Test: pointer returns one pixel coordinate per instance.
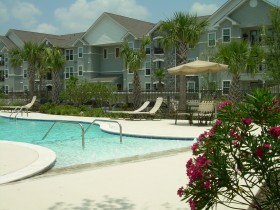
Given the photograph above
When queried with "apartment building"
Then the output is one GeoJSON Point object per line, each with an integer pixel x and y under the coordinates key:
{"type": "Point", "coordinates": [94, 55]}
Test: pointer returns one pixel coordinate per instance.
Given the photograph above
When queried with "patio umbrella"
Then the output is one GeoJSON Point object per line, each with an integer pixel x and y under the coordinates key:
{"type": "Point", "coordinates": [197, 67]}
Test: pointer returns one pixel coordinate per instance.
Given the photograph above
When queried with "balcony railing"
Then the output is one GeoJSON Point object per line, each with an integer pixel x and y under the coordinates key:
{"type": "Point", "coordinates": [158, 50]}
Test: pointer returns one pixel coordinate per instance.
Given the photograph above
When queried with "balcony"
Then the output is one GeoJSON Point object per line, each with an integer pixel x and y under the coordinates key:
{"type": "Point", "coordinates": [158, 50]}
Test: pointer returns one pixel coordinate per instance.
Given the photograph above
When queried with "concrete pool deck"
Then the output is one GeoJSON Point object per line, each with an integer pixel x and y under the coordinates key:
{"type": "Point", "coordinates": [149, 184]}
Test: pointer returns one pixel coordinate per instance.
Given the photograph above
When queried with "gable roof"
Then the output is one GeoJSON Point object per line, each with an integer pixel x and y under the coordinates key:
{"type": "Point", "coordinates": [137, 28]}
{"type": "Point", "coordinates": [8, 43]}
{"type": "Point", "coordinates": [56, 40]}
{"type": "Point", "coordinates": [226, 9]}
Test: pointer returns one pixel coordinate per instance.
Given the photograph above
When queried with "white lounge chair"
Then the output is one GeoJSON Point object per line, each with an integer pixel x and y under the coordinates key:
{"type": "Point", "coordinates": [151, 113]}
{"type": "Point", "coordinates": [143, 107]}
{"type": "Point", "coordinates": [17, 109]}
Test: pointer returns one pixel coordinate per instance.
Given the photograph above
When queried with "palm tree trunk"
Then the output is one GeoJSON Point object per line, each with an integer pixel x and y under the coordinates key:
{"type": "Point", "coordinates": [235, 91]}
{"type": "Point", "coordinates": [136, 90]}
{"type": "Point", "coordinates": [182, 93]}
{"type": "Point", "coordinates": [31, 80]}
{"type": "Point", "coordinates": [182, 52]}
{"type": "Point", "coordinates": [56, 87]}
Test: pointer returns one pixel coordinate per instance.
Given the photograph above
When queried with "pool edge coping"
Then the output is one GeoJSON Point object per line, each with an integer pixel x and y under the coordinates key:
{"type": "Point", "coordinates": [46, 159]}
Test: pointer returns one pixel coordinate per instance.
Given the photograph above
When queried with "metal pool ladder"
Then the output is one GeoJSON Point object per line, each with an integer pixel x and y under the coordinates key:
{"type": "Point", "coordinates": [82, 128]}
{"type": "Point", "coordinates": [113, 121]}
{"type": "Point", "coordinates": [69, 122]}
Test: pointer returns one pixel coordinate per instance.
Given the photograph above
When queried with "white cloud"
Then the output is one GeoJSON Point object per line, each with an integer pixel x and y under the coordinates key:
{"type": "Point", "coordinates": [25, 13]}
{"type": "Point", "coordinates": [203, 9]}
{"type": "Point", "coordinates": [82, 13]}
{"type": "Point", "coordinates": [3, 13]}
{"type": "Point", "coordinates": [46, 28]}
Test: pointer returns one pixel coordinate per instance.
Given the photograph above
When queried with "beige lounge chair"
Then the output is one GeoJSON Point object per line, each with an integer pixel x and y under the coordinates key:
{"type": "Point", "coordinates": [149, 114]}
{"type": "Point", "coordinates": [140, 109]}
{"type": "Point", "coordinates": [192, 106]}
{"type": "Point", "coordinates": [205, 111]}
{"type": "Point", "coordinates": [17, 109]}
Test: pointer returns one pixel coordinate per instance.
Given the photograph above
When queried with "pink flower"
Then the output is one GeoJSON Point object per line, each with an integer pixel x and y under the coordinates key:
{"type": "Point", "coordinates": [194, 147]}
{"type": "Point", "coordinates": [235, 143]}
{"type": "Point", "coordinates": [194, 174]}
{"type": "Point", "coordinates": [218, 122]}
{"type": "Point", "coordinates": [207, 184]}
{"type": "Point", "coordinates": [267, 146]}
{"type": "Point", "coordinates": [247, 121]}
{"type": "Point", "coordinates": [275, 100]}
{"type": "Point", "coordinates": [259, 153]}
{"type": "Point", "coordinates": [189, 163]}
{"type": "Point", "coordinates": [192, 204]}
{"type": "Point", "coordinates": [180, 191]}
{"type": "Point", "coordinates": [224, 104]}
{"type": "Point", "coordinates": [202, 161]}
{"type": "Point", "coordinates": [275, 131]}
{"type": "Point", "coordinates": [234, 134]}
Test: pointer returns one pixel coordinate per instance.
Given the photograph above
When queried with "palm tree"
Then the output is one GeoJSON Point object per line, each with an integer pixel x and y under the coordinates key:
{"type": "Point", "coordinates": [241, 58]}
{"type": "Point", "coordinates": [133, 61]}
{"type": "Point", "coordinates": [181, 31]}
{"type": "Point", "coordinates": [32, 53]}
{"type": "Point", "coordinates": [159, 74]}
{"type": "Point", "coordinates": [55, 61]}
{"type": "Point", "coordinates": [272, 41]}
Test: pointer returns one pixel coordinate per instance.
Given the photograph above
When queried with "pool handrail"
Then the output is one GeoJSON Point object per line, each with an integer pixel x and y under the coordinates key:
{"type": "Point", "coordinates": [70, 122]}
{"type": "Point", "coordinates": [113, 121]}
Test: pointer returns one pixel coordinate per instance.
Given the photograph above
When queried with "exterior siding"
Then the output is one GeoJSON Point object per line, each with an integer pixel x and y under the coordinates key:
{"type": "Point", "coordinates": [105, 31]}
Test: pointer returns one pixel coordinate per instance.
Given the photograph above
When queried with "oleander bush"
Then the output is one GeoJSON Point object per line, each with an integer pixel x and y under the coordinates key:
{"type": "Point", "coordinates": [238, 157]}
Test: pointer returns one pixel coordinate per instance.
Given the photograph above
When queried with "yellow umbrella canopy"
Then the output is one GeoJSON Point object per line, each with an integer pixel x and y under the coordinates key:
{"type": "Point", "coordinates": [197, 67]}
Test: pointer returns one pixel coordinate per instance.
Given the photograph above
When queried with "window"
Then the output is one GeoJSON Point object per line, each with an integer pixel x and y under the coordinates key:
{"type": "Point", "coordinates": [255, 36]}
{"type": "Point", "coordinates": [159, 64]}
{"type": "Point", "coordinates": [2, 76]}
{"type": "Point", "coordinates": [6, 73]}
{"type": "Point", "coordinates": [130, 87]}
{"type": "Point", "coordinates": [69, 71]}
{"type": "Point", "coordinates": [25, 88]}
{"type": "Point", "coordinates": [226, 34]}
{"type": "Point", "coordinates": [211, 39]}
{"type": "Point", "coordinates": [190, 86]}
{"type": "Point", "coordinates": [24, 73]}
{"type": "Point", "coordinates": [80, 52]}
{"type": "Point", "coordinates": [6, 89]}
{"type": "Point", "coordinates": [117, 52]}
{"type": "Point", "coordinates": [105, 54]}
{"type": "Point", "coordinates": [148, 69]}
{"type": "Point", "coordinates": [1, 60]}
{"type": "Point", "coordinates": [69, 55]}
{"type": "Point", "coordinates": [226, 86]}
{"type": "Point", "coordinates": [131, 45]}
{"type": "Point", "coordinates": [148, 86]}
{"type": "Point", "coordinates": [6, 58]}
{"type": "Point", "coordinates": [80, 71]}
{"type": "Point", "coordinates": [49, 75]}
{"type": "Point", "coordinates": [148, 50]}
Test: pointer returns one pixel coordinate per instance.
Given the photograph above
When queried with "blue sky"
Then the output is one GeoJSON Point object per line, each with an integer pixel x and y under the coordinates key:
{"type": "Point", "coordinates": [72, 16]}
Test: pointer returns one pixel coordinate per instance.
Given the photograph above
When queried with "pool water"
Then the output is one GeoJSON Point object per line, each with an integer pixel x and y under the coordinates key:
{"type": "Point", "coordinates": [66, 141]}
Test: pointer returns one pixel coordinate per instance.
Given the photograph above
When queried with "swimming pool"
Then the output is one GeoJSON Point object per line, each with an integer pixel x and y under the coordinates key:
{"type": "Point", "coordinates": [66, 141]}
